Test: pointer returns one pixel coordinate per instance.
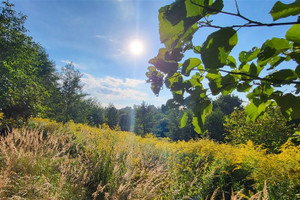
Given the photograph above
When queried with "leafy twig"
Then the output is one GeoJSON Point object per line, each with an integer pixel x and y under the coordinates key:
{"type": "Point", "coordinates": [250, 23]}
{"type": "Point", "coordinates": [259, 78]}
{"type": "Point", "coordinates": [256, 77]}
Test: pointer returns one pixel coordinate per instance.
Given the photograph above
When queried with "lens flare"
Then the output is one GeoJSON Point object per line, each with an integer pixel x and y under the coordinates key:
{"type": "Point", "coordinates": [136, 47]}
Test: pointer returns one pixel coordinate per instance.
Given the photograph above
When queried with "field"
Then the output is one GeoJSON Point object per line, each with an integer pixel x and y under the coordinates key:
{"type": "Point", "coordinates": [49, 160]}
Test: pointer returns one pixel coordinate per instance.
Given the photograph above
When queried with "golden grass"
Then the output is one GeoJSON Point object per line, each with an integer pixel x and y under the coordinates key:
{"type": "Point", "coordinates": [75, 161]}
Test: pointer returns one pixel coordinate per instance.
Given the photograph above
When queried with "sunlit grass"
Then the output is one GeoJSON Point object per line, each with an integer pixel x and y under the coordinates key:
{"type": "Point", "coordinates": [75, 161]}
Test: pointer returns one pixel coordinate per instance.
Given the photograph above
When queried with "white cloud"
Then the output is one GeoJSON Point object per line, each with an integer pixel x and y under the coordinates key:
{"type": "Point", "coordinates": [111, 82]}
{"type": "Point", "coordinates": [76, 65]}
{"type": "Point", "coordinates": [115, 90]}
{"type": "Point", "coordinates": [133, 82]}
{"type": "Point", "coordinates": [106, 38]}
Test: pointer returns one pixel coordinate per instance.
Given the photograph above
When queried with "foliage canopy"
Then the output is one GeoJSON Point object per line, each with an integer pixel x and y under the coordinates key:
{"type": "Point", "coordinates": [271, 130]}
{"type": "Point", "coordinates": [256, 72]}
{"type": "Point", "coordinates": [26, 73]}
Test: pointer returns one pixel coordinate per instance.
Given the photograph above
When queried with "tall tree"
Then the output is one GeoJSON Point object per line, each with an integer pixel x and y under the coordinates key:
{"type": "Point", "coordinates": [227, 103]}
{"type": "Point", "coordinates": [261, 71]}
{"type": "Point", "coordinates": [144, 119]}
{"type": "Point", "coordinates": [112, 116]}
{"type": "Point", "coordinates": [71, 90]}
{"type": "Point", "coordinates": [125, 118]}
{"type": "Point", "coordinates": [175, 131]}
{"type": "Point", "coordinates": [214, 125]}
{"type": "Point", "coordinates": [25, 70]}
{"type": "Point", "coordinates": [96, 116]}
{"type": "Point", "coordinates": [222, 106]}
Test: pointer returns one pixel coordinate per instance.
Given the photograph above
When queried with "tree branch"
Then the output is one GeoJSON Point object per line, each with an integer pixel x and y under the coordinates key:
{"type": "Point", "coordinates": [261, 79]}
{"type": "Point", "coordinates": [252, 77]}
{"type": "Point", "coordinates": [237, 7]}
{"type": "Point", "coordinates": [247, 25]}
{"type": "Point", "coordinates": [250, 23]}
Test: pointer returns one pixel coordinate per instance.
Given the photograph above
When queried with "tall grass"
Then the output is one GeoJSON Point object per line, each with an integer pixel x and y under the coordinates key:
{"type": "Point", "coordinates": [49, 160]}
{"type": "Point", "coordinates": [38, 166]}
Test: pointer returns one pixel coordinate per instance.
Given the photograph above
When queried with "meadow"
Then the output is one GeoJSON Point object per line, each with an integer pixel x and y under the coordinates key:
{"type": "Point", "coordinates": [51, 160]}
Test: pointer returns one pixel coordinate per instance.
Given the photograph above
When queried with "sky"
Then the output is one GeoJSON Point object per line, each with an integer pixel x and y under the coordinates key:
{"type": "Point", "coordinates": [97, 35]}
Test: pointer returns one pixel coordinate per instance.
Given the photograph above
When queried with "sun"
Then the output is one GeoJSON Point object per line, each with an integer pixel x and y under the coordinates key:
{"type": "Point", "coordinates": [136, 47]}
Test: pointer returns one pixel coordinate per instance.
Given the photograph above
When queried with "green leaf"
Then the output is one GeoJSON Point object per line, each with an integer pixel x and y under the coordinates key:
{"type": "Point", "coordinates": [228, 84]}
{"type": "Point", "coordinates": [167, 67]}
{"type": "Point", "coordinates": [293, 34]}
{"type": "Point", "coordinates": [195, 80]}
{"type": "Point", "coordinates": [217, 6]}
{"type": "Point", "coordinates": [171, 23]}
{"type": "Point", "coordinates": [297, 71]}
{"type": "Point", "coordinates": [201, 111]}
{"type": "Point", "coordinates": [151, 69]}
{"type": "Point", "coordinates": [175, 82]}
{"type": "Point", "coordinates": [196, 125]}
{"type": "Point", "coordinates": [231, 62]}
{"type": "Point", "coordinates": [190, 64]}
{"type": "Point", "coordinates": [178, 97]}
{"type": "Point", "coordinates": [203, 7]}
{"type": "Point", "coordinates": [193, 10]}
{"type": "Point", "coordinates": [244, 87]}
{"type": "Point", "coordinates": [261, 94]}
{"type": "Point", "coordinates": [272, 48]}
{"type": "Point", "coordinates": [275, 61]}
{"type": "Point", "coordinates": [254, 111]}
{"type": "Point", "coordinates": [174, 55]}
{"type": "Point", "coordinates": [284, 75]}
{"type": "Point", "coordinates": [281, 10]}
{"type": "Point", "coordinates": [289, 105]}
{"type": "Point", "coordinates": [197, 49]}
{"type": "Point", "coordinates": [215, 84]}
{"type": "Point", "coordinates": [295, 55]}
{"type": "Point", "coordinates": [213, 76]}
{"type": "Point", "coordinates": [177, 23]}
{"type": "Point", "coordinates": [164, 66]}
{"type": "Point", "coordinates": [184, 120]}
{"type": "Point", "coordinates": [246, 56]}
{"type": "Point", "coordinates": [216, 48]}
{"type": "Point", "coordinates": [251, 69]}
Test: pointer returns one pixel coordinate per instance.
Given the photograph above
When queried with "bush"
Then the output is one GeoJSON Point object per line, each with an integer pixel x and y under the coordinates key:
{"type": "Point", "coordinates": [271, 130]}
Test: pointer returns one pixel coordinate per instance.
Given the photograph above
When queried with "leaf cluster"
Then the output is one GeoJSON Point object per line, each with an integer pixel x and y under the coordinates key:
{"type": "Point", "coordinates": [271, 130]}
{"type": "Point", "coordinates": [256, 72]}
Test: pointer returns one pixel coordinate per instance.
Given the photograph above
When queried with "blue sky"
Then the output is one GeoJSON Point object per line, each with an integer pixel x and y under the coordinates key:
{"type": "Point", "coordinates": [96, 34]}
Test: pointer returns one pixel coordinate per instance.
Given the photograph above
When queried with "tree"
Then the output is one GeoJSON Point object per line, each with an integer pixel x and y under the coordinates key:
{"type": "Point", "coordinates": [175, 130]}
{"type": "Point", "coordinates": [222, 106]}
{"type": "Point", "coordinates": [145, 120]}
{"type": "Point", "coordinates": [271, 130]}
{"type": "Point", "coordinates": [112, 116]}
{"type": "Point", "coordinates": [96, 116]}
{"type": "Point", "coordinates": [71, 90]}
{"type": "Point", "coordinates": [179, 21]}
{"type": "Point", "coordinates": [227, 103]}
{"type": "Point", "coordinates": [125, 118]}
{"type": "Point", "coordinates": [214, 125]}
{"type": "Point", "coordinates": [25, 70]}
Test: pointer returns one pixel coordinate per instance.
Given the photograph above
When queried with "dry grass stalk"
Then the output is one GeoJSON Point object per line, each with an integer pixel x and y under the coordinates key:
{"type": "Point", "coordinates": [100, 189]}
{"type": "Point", "coordinates": [28, 159]}
{"type": "Point", "coordinates": [262, 195]}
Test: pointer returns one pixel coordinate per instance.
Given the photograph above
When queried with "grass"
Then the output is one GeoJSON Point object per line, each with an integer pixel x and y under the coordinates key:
{"type": "Point", "coordinates": [48, 160]}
